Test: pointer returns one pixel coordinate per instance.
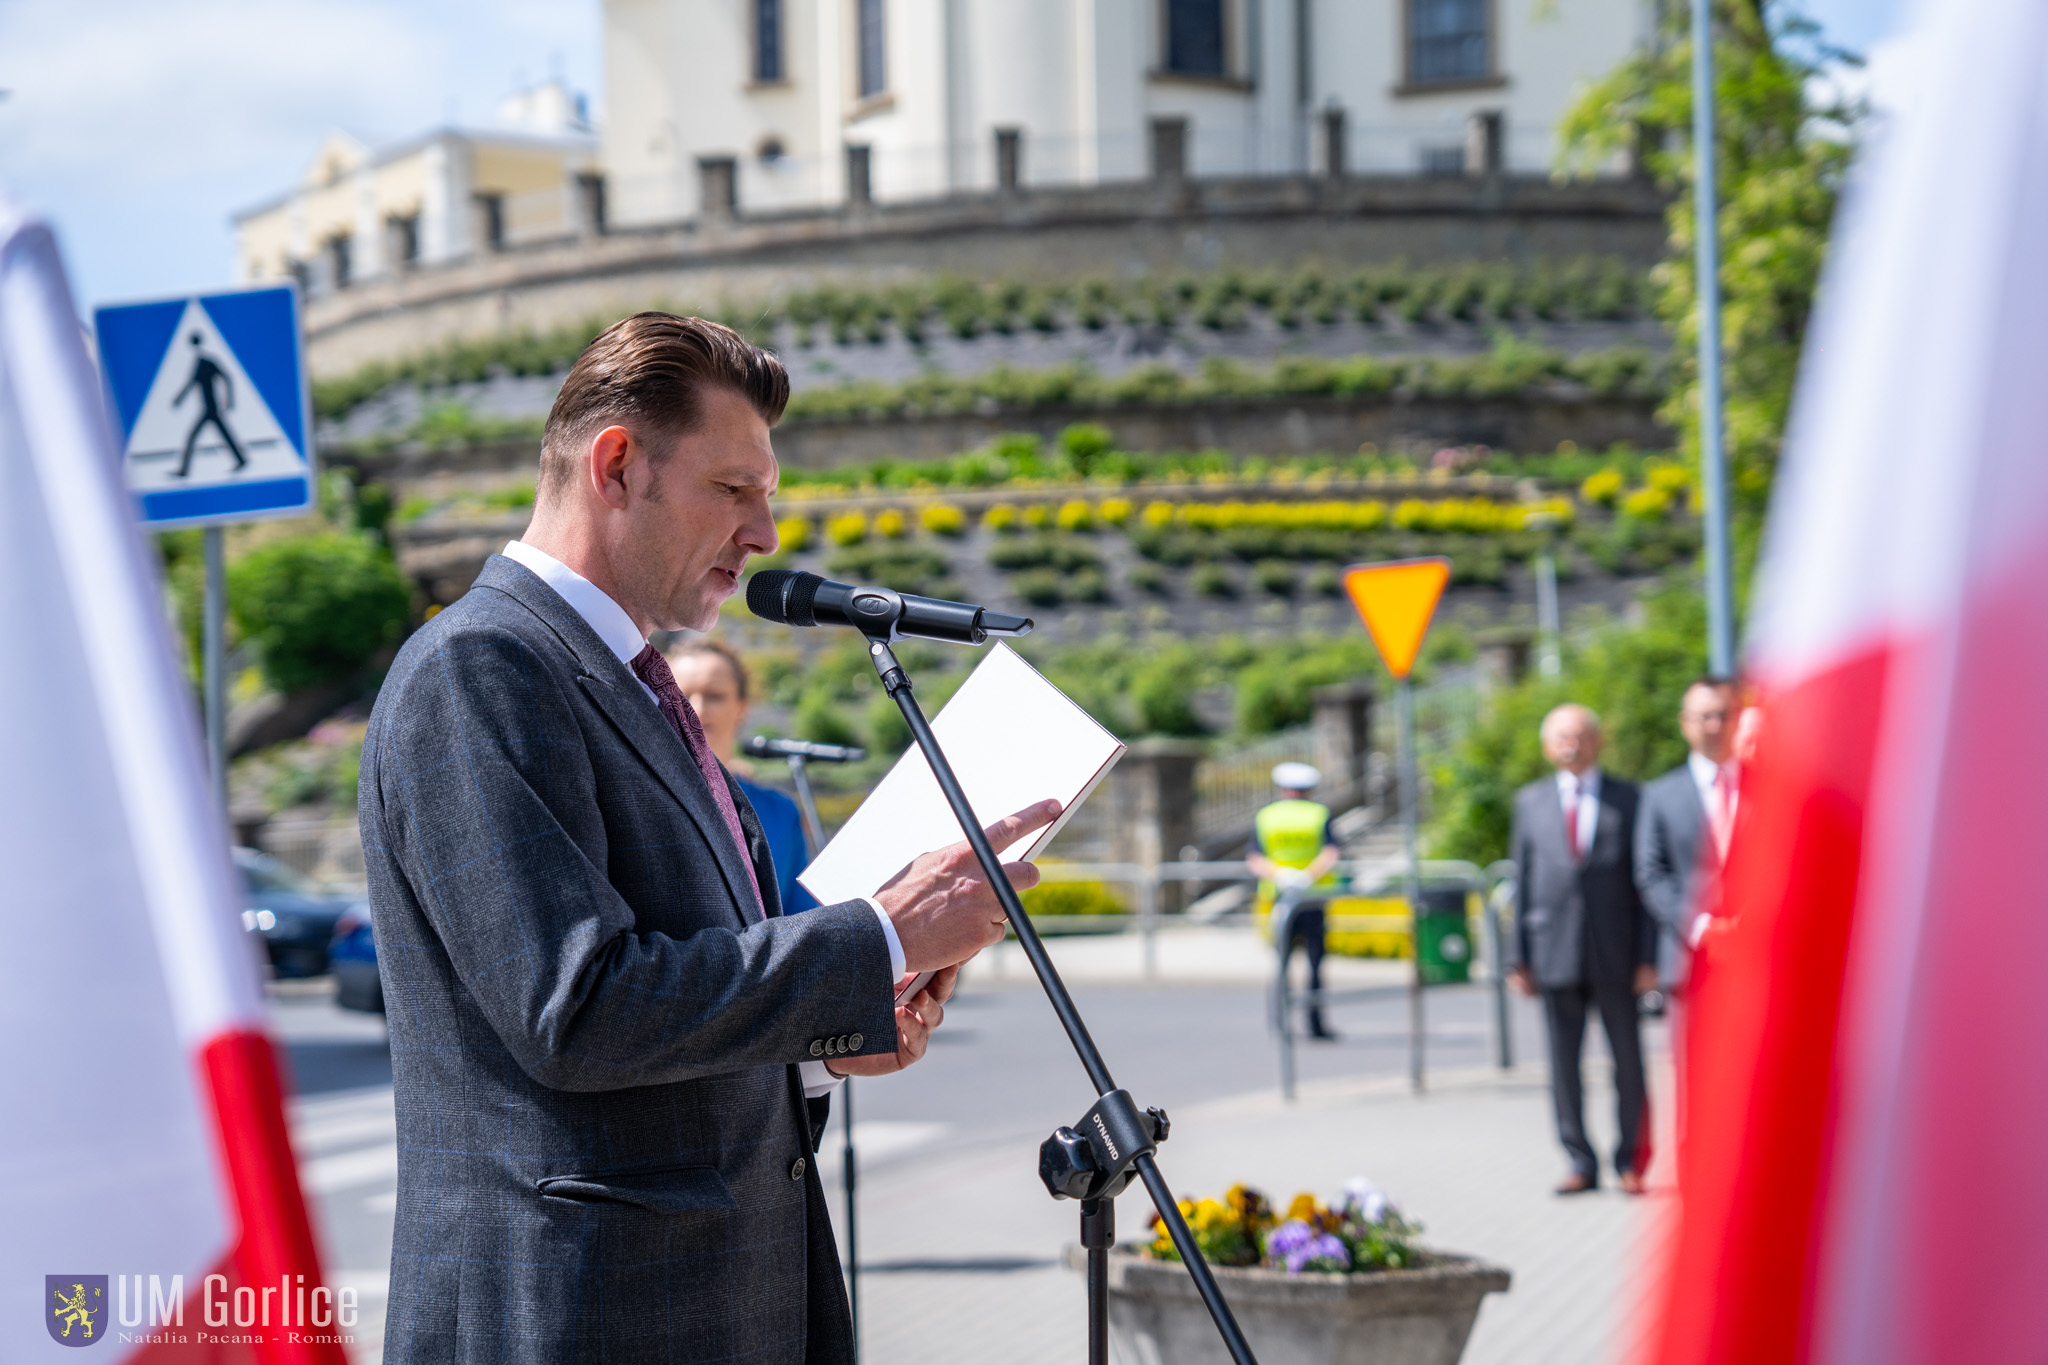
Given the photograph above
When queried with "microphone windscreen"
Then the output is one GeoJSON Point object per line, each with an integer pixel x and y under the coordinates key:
{"type": "Point", "coordinates": [784, 596]}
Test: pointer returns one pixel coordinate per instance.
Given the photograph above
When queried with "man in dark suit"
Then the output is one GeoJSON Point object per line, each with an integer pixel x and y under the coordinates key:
{"type": "Point", "coordinates": [1581, 939]}
{"type": "Point", "coordinates": [611, 1051]}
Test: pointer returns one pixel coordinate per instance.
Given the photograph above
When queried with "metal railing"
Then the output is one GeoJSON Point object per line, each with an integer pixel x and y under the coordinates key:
{"type": "Point", "coordinates": [1495, 885]}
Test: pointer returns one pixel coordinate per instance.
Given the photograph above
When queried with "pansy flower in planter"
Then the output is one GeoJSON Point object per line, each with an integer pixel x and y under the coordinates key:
{"type": "Point", "coordinates": [1363, 1231]}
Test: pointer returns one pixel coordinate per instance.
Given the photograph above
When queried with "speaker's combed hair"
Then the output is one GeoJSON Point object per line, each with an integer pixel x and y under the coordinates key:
{"type": "Point", "coordinates": [647, 373]}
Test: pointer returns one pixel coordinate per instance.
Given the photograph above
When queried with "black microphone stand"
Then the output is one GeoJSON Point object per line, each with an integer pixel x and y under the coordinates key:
{"type": "Point", "coordinates": [1095, 1159]}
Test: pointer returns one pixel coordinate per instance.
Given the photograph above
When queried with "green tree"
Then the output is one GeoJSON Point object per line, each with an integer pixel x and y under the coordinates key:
{"type": "Point", "coordinates": [1633, 676]}
{"type": "Point", "coordinates": [1782, 146]}
{"type": "Point", "coordinates": [317, 608]}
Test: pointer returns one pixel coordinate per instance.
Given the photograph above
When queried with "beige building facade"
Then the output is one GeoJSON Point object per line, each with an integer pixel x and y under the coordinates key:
{"type": "Point", "coordinates": [362, 212]}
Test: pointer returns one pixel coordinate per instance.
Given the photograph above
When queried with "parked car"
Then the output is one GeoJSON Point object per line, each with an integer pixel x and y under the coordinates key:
{"type": "Point", "coordinates": [292, 913]}
{"type": "Point", "coordinates": [353, 957]}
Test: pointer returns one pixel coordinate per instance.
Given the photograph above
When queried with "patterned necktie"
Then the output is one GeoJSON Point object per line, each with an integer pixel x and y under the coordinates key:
{"type": "Point", "coordinates": [652, 669]}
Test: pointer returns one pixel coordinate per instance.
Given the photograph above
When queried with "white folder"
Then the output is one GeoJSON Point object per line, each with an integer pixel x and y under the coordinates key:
{"type": "Point", "coordinates": [1013, 740]}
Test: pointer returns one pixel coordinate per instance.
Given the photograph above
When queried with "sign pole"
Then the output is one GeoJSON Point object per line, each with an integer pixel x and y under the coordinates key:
{"type": "Point", "coordinates": [1396, 600]}
{"type": "Point", "coordinates": [1404, 705]}
{"type": "Point", "coordinates": [1707, 270]}
{"type": "Point", "coordinates": [214, 649]}
{"type": "Point", "coordinates": [1549, 662]}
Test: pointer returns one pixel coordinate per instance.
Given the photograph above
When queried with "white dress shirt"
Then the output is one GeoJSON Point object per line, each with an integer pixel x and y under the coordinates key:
{"type": "Point", "coordinates": [1584, 789]}
{"type": "Point", "coordinates": [624, 639]}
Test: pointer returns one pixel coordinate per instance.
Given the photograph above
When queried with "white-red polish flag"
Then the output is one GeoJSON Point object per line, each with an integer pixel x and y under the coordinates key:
{"type": "Point", "coordinates": [1863, 1180]}
{"type": "Point", "coordinates": [143, 1130]}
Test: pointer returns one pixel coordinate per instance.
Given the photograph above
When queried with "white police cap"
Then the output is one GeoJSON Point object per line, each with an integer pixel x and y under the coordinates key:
{"type": "Point", "coordinates": [1296, 777]}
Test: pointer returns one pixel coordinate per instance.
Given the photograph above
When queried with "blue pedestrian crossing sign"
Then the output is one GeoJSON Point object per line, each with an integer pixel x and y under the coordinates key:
{"type": "Point", "coordinates": [210, 395]}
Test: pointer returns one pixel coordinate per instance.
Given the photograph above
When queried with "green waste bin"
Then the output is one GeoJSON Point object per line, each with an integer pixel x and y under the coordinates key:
{"type": "Point", "coordinates": [1443, 939]}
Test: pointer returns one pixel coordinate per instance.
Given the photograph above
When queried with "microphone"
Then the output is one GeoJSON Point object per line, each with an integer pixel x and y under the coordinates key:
{"type": "Point", "coordinates": [793, 598]}
{"type": "Point", "coordinates": [760, 746]}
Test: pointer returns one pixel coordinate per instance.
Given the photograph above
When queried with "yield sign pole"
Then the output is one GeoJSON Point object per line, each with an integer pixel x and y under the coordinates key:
{"type": "Point", "coordinates": [1396, 601]}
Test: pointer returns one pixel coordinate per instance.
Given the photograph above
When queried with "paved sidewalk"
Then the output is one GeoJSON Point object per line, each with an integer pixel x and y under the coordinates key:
{"type": "Point", "coordinates": [962, 1250]}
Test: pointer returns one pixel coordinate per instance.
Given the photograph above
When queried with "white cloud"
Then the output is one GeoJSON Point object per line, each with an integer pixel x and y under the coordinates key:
{"type": "Point", "coordinates": [140, 125]}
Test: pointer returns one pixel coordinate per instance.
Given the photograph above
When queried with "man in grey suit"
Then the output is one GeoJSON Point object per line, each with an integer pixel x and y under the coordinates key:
{"type": "Point", "coordinates": [1581, 939]}
{"type": "Point", "coordinates": [1682, 834]}
{"type": "Point", "coordinates": [611, 1052]}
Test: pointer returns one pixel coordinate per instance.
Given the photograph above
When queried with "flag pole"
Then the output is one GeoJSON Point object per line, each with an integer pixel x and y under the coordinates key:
{"type": "Point", "coordinates": [1707, 271]}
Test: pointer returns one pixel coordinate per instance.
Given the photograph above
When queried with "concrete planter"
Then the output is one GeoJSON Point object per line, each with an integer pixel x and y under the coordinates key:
{"type": "Point", "coordinates": [1393, 1317]}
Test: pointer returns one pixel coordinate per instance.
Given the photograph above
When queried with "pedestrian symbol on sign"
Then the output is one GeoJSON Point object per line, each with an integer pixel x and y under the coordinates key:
{"type": "Point", "coordinates": [210, 397]}
{"type": "Point", "coordinates": [206, 376]}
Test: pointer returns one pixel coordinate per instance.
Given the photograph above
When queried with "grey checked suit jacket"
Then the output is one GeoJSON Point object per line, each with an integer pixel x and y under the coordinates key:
{"type": "Point", "coordinates": [604, 1153]}
{"type": "Point", "coordinates": [1578, 922]}
{"type": "Point", "coordinates": [1670, 871]}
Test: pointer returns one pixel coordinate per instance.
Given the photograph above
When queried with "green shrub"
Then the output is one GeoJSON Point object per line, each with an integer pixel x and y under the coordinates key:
{"type": "Point", "coordinates": [1071, 898]}
{"type": "Point", "coordinates": [882, 720]}
{"type": "Point", "coordinates": [1163, 695]}
{"type": "Point", "coordinates": [317, 608]}
{"type": "Point", "coordinates": [1213, 580]}
{"type": "Point", "coordinates": [1085, 443]}
{"type": "Point", "coordinates": [1275, 576]}
{"type": "Point", "coordinates": [1087, 585]}
{"type": "Point", "coordinates": [1040, 587]}
{"type": "Point", "coordinates": [821, 718]}
{"type": "Point", "coordinates": [1148, 578]}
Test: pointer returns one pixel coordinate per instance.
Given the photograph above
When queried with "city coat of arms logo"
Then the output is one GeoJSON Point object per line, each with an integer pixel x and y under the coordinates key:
{"type": "Point", "coordinates": [75, 1308]}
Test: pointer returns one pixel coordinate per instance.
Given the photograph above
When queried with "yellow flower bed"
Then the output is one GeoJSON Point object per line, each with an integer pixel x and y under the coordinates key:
{"type": "Point", "coordinates": [942, 519]}
{"type": "Point", "coordinates": [1381, 940]}
{"type": "Point", "coordinates": [1481, 516]}
{"type": "Point", "coordinates": [794, 533]}
{"type": "Point", "coordinates": [1114, 511]}
{"type": "Point", "coordinates": [1647, 504]}
{"type": "Point", "coordinates": [1604, 487]}
{"type": "Point", "coordinates": [848, 528]}
{"type": "Point", "coordinates": [891, 525]}
{"type": "Point", "coordinates": [1075, 516]}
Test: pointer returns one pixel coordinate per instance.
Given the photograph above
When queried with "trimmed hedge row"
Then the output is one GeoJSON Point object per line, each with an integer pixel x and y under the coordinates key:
{"type": "Point", "coordinates": [1588, 288]}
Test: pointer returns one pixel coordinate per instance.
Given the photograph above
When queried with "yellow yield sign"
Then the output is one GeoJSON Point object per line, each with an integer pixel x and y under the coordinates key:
{"type": "Point", "coordinates": [1396, 601]}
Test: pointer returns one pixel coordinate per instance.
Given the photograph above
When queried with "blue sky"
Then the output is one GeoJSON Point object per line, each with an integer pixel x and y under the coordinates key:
{"type": "Point", "coordinates": [138, 126]}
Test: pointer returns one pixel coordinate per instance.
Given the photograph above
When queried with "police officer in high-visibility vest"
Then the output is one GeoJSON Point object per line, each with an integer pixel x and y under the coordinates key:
{"type": "Point", "coordinates": [1294, 853]}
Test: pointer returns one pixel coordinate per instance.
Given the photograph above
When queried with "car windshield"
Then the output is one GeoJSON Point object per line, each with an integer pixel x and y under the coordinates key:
{"type": "Point", "coordinates": [262, 874]}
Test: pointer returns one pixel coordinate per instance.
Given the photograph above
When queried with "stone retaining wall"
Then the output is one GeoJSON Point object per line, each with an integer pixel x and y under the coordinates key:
{"type": "Point", "coordinates": [1121, 230]}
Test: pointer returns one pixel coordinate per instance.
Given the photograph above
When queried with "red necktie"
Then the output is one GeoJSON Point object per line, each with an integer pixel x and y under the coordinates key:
{"type": "Point", "coordinates": [652, 669]}
{"type": "Point", "coordinates": [1721, 813]}
{"type": "Point", "coordinates": [1571, 816]}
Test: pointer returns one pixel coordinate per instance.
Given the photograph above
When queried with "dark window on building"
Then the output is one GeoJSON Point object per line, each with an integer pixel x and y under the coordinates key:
{"type": "Point", "coordinates": [402, 239]}
{"type": "Point", "coordinates": [874, 73]}
{"type": "Point", "coordinates": [1448, 40]}
{"type": "Point", "coordinates": [339, 260]}
{"type": "Point", "coordinates": [1194, 37]}
{"type": "Point", "coordinates": [490, 209]}
{"type": "Point", "coordinates": [767, 40]}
